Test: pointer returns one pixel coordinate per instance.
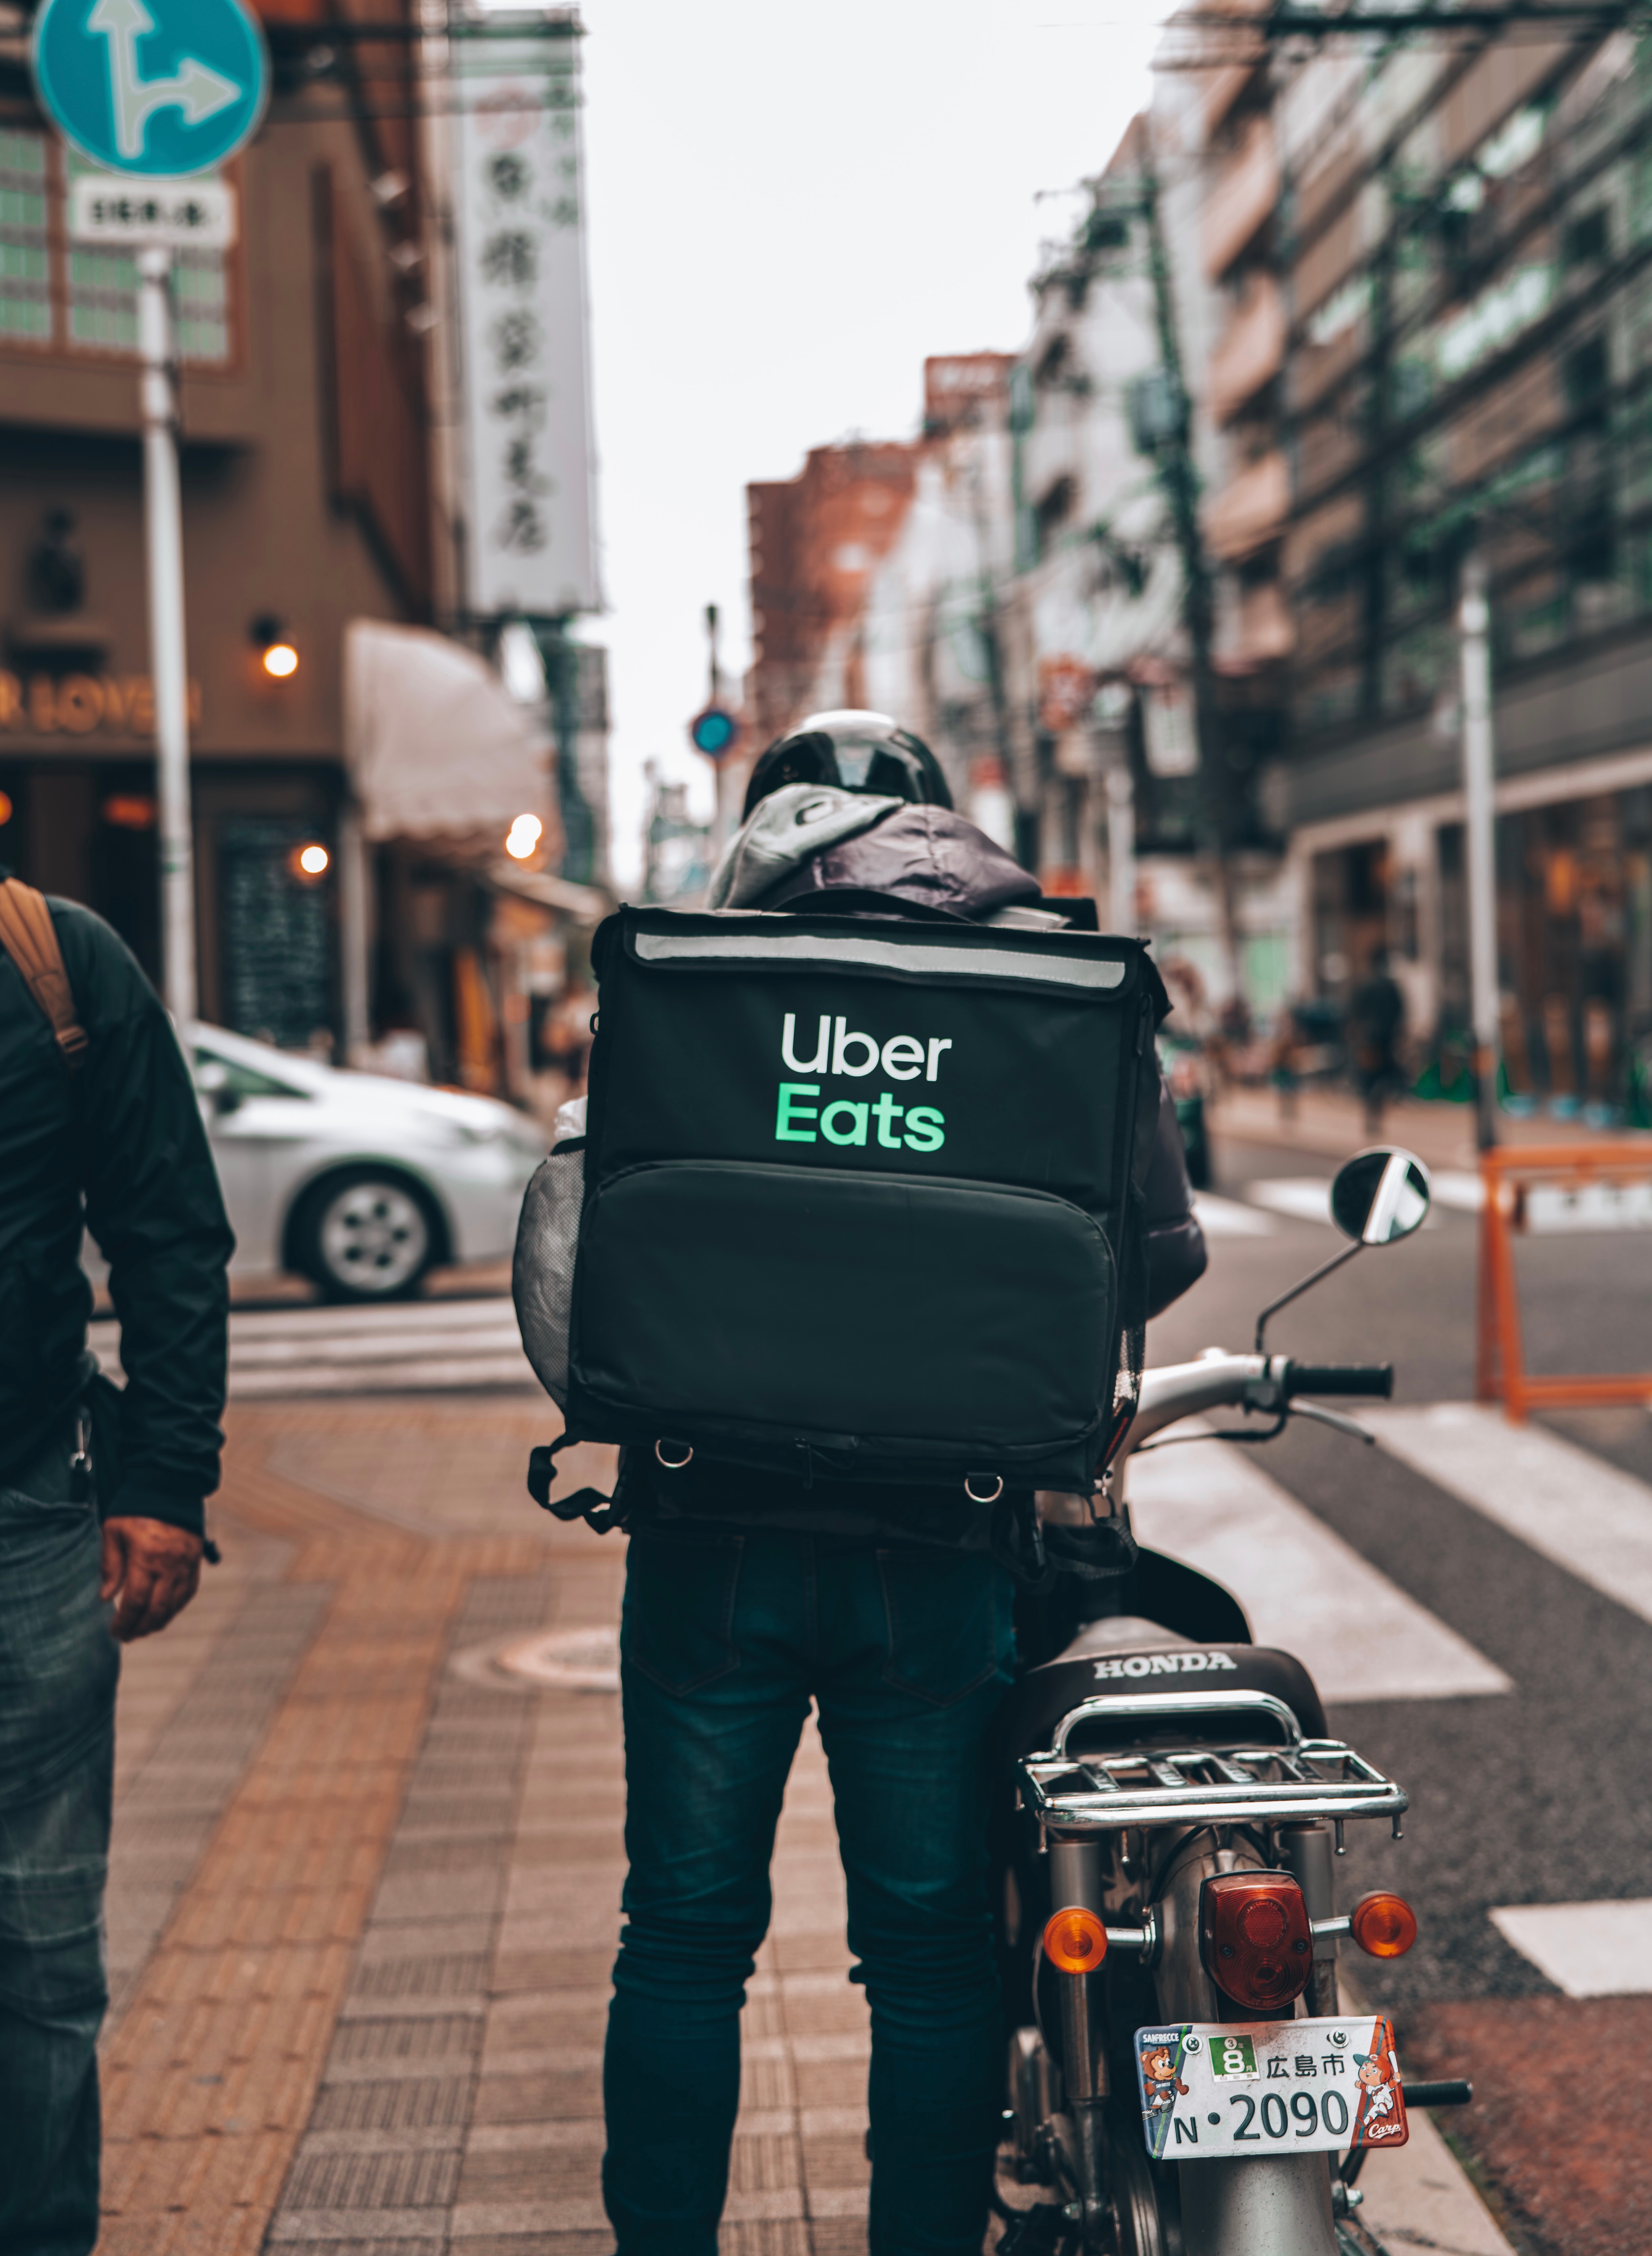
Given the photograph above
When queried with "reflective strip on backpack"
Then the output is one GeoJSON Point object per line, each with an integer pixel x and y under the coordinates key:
{"type": "Point", "coordinates": [813, 948]}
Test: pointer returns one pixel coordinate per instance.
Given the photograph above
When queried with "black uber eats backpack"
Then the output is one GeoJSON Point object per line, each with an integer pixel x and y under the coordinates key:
{"type": "Point", "coordinates": [861, 1199]}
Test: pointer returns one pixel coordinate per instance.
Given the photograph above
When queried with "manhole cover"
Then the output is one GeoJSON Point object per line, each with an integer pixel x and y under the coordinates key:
{"type": "Point", "coordinates": [576, 1660]}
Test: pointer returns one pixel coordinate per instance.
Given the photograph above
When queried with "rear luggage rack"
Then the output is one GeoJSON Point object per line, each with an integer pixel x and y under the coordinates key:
{"type": "Point", "coordinates": [1214, 1784]}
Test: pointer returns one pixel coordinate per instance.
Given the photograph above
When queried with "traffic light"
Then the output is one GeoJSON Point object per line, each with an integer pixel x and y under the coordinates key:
{"type": "Point", "coordinates": [714, 732]}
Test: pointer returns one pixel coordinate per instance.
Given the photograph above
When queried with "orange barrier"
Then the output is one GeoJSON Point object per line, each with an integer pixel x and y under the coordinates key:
{"type": "Point", "coordinates": [1508, 1174]}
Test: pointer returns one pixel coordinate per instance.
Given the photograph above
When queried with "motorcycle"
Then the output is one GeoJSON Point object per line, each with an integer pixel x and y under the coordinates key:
{"type": "Point", "coordinates": [1187, 2073]}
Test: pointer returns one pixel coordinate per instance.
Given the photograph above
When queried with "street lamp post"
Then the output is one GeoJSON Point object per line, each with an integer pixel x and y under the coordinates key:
{"type": "Point", "coordinates": [1474, 619]}
{"type": "Point", "coordinates": [164, 540]}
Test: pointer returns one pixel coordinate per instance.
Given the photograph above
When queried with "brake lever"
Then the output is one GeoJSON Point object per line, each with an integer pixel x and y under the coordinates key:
{"type": "Point", "coordinates": [1221, 1434]}
{"type": "Point", "coordinates": [1300, 1409]}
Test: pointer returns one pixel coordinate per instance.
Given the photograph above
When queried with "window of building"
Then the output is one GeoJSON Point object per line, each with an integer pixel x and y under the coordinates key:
{"type": "Point", "coordinates": [1587, 239]}
{"type": "Point", "coordinates": [82, 298]}
{"type": "Point", "coordinates": [26, 268]}
{"type": "Point", "coordinates": [1052, 510]}
{"type": "Point", "coordinates": [1588, 373]}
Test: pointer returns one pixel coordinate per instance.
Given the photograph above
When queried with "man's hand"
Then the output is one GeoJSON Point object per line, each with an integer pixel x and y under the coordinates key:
{"type": "Point", "coordinates": [151, 1570]}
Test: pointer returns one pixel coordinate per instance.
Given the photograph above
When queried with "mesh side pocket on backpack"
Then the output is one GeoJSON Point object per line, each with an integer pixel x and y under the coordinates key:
{"type": "Point", "coordinates": [542, 1271]}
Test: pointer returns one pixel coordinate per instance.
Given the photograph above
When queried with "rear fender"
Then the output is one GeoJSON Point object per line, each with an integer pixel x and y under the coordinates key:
{"type": "Point", "coordinates": [1281, 2202]}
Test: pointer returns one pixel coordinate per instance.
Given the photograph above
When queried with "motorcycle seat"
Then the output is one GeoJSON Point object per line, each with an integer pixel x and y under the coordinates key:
{"type": "Point", "coordinates": [1128, 1658]}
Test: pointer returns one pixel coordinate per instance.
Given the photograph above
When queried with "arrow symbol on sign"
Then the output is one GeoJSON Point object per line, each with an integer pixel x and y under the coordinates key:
{"type": "Point", "coordinates": [198, 90]}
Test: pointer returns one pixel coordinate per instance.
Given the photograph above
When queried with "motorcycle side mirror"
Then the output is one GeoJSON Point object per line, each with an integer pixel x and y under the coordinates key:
{"type": "Point", "coordinates": [1380, 1196]}
{"type": "Point", "coordinates": [1376, 1197]}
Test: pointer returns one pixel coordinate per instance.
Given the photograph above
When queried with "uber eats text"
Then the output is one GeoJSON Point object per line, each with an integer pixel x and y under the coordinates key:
{"type": "Point", "coordinates": [838, 1049]}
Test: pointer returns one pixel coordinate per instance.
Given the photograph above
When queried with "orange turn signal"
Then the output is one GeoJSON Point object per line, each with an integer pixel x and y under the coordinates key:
{"type": "Point", "coordinates": [1074, 1941]}
{"type": "Point", "coordinates": [1383, 1925]}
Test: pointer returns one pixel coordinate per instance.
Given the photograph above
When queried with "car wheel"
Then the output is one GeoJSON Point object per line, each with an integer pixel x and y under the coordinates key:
{"type": "Point", "coordinates": [366, 1235]}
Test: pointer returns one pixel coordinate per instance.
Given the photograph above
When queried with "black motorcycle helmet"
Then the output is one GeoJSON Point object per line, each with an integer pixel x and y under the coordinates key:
{"type": "Point", "coordinates": [864, 752]}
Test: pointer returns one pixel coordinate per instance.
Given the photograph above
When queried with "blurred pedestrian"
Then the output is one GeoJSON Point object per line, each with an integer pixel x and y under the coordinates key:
{"type": "Point", "coordinates": [1376, 1022]}
{"type": "Point", "coordinates": [102, 1491]}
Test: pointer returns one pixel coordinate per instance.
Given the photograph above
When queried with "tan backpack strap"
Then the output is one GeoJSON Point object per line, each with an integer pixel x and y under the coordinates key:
{"type": "Point", "coordinates": [29, 938]}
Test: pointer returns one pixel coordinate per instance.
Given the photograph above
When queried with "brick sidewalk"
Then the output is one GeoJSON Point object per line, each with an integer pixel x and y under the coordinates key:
{"type": "Point", "coordinates": [366, 1877]}
{"type": "Point", "coordinates": [366, 1880]}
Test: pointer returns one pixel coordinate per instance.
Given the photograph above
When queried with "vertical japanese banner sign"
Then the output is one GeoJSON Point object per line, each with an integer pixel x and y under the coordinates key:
{"type": "Point", "coordinates": [520, 276]}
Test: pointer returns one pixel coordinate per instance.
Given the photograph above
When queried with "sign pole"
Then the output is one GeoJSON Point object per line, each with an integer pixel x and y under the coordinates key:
{"type": "Point", "coordinates": [717, 732]}
{"type": "Point", "coordinates": [162, 129]}
{"type": "Point", "coordinates": [163, 541]}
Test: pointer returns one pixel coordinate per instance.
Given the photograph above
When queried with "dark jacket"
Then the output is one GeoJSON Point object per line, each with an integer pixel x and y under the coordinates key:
{"type": "Point", "coordinates": [121, 1151]}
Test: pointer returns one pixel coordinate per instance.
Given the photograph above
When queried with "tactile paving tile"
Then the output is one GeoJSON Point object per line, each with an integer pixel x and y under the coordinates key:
{"type": "Point", "coordinates": [170, 1804]}
{"type": "Point", "coordinates": [401, 2060]}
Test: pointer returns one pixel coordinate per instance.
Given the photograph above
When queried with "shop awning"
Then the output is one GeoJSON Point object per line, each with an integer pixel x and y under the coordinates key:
{"type": "Point", "coordinates": [584, 903]}
{"type": "Point", "coordinates": [435, 746]}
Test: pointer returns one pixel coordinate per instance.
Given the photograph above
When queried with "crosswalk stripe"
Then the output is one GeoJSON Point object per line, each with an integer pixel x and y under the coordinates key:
{"type": "Point", "coordinates": [407, 1377]}
{"type": "Point", "coordinates": [1222, 1217]}
{"type": "Point", "coordinates": [1587, 1950]}
{"type": "Point", "coordinates": [1451, 1187]}
{"type": "Point", "coordinates": [1361, 1637]}
{"type": "Point", "coordinates": [369, 1345]}
{"type": "Point", "coordinates": [1571, 1506]}
{"type": "Point", "coordinates": [1305, 1198]}
{"type": "Point", "coordinates": [419, 1347]}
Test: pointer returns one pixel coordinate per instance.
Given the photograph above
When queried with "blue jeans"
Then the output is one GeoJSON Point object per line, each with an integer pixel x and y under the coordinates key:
{"type": "Point", "coordinates": [58, 1667]}
{"type": "Point", "coordinates": [906, 1652]}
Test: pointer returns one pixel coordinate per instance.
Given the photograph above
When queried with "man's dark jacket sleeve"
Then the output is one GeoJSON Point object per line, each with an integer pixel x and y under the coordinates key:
{"type": "Point", "coordinates": [128, 1133]}
{"type": "Point", "coordinates": [154, 1206]}
{"type": "Point", "coordinates": [1177, 1256]}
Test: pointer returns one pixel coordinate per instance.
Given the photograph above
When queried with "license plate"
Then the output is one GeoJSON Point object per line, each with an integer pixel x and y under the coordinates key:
{"type": "Point", "coordinates": [1233, 2089]}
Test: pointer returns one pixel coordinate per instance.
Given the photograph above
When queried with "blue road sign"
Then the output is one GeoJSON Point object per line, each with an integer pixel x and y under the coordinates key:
{"type": "Point", "coordinates": [714, 732]}
{"type": "Point", "coordinates": [160, 89]}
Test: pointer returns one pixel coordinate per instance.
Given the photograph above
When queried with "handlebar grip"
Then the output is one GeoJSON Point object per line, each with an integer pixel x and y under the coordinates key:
{"type": "Point", "coordinates": [1340, 1379]}
{"type": "Point", "coordinates": [1450, 2094]}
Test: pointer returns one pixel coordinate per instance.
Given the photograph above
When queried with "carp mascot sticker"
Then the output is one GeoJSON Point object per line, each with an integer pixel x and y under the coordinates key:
{"type": "Point", "coordinates": [1381, 2119]}
{"type": "Point", "coordinates": [1160, 2056]}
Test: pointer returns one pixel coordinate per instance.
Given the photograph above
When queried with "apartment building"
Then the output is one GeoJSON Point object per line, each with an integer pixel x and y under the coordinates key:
{"type": "Point", "coordinates": [1464, 249]}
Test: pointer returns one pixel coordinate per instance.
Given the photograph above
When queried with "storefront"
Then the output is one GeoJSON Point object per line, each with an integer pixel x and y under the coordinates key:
{"type": "Point", "coordinates": [266, 912]}
{"type": "Point", "coordinates": [1574, 925]}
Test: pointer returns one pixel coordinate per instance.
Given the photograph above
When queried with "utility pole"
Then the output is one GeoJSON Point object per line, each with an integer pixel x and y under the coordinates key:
{"type": "Point", "coordinates": [1121, 850]}
{"type": "Point", "coordinates": [164, 538]}
{"type": "Point", "coordinates": [1474, 619]}
{"type": "Point", "coordinates": [723, 824]}
{"type": "Point", "coordinates": [1179, 478]}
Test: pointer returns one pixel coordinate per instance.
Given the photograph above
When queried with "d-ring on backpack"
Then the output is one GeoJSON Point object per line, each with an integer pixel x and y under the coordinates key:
{"type": "Point", "coordinates": [859, 1198]}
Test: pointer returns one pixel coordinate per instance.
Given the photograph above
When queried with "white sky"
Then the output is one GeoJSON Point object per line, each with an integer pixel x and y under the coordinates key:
{"type": "Point", "coordinates": [790, 204]}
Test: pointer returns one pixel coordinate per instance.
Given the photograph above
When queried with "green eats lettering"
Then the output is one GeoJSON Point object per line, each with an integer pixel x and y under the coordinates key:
{"type": "Point", "coordinates": [878, 1121]}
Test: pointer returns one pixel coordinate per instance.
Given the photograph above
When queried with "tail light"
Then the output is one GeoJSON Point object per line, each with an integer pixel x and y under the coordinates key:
{"type": "Point", "coordinates": [1254, 1939]}
{"type": "Point", "coordinates": [1383, 1925]}
{"type": "Point", "coordinates": [1075, 1941]}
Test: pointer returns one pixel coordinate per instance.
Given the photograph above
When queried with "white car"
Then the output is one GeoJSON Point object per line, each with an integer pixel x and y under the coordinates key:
{"type": "Point", "coordinates": [358, 1182]}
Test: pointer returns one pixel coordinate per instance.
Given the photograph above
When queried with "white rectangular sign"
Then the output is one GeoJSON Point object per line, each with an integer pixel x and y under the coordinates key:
{"type": "Point", "coordinates": [520, 257]}
{"type": "Point", "coordinates": [174, 215]}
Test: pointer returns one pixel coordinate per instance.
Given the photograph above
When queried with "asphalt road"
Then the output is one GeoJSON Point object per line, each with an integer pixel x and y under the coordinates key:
{"type": "Point", "coordinates": [1534, 1796]}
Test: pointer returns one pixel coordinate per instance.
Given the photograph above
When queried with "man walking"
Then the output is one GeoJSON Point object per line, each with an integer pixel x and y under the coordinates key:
{"type": "Point", "coordinates": [99, 1129]}
{"type": "Point", "coordinates": [1376, 1024]}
